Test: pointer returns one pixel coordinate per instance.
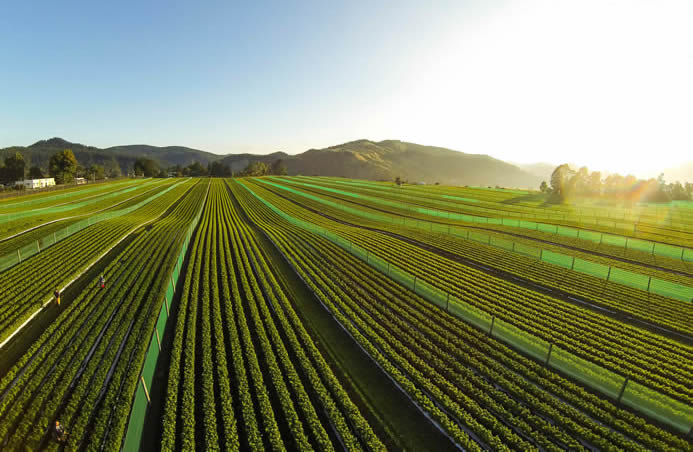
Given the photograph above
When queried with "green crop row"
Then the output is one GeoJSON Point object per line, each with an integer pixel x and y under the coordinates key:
{"type": "Point", "coordinates": [462, 377]}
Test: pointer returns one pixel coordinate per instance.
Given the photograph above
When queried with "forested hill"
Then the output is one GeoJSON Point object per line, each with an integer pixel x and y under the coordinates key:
{"type": "Point", "coordinates": [362, 159]}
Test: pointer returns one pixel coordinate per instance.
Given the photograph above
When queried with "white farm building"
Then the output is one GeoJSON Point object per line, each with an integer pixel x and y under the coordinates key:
{"type": "Point", "coordinates": [36, 183]}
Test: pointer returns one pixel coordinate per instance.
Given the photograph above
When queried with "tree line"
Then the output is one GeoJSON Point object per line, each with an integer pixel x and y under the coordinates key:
{"type": "Point", "coordinates": [566, 183]}
{"type": "Point", "coordinates": [64, 168]}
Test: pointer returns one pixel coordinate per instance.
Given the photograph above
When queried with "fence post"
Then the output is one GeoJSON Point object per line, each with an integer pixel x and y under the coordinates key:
{"type": "Point", "coordinates": [572, 266]}
{"type": "Point", "coordinates": [38, 247]}
{"type": "Point", "coordinates": [490, 330]}
{"type": "Point", "coordinates": [649, 281]}
{"type": "Point", "coordinates": [548, 355]}
{"type": "Point", "coordinates": [414, 289]}
{"type": "Point", "coordinates": [608, 275]}
{"type": "Point", "coordinates": [55, 240]}
{"type": "Point", "coordinates": [19, 257]}
{"type": "Point", "coordinates": [513, 247]}
{"type": "Point", "coordinates": [541, 253]}
{"type": "Point", "coordinates": [146, 393]}
{"type": "Point", "coordinates": [388, 269]}
{"type": "Point", "coordinates": [623, 389]}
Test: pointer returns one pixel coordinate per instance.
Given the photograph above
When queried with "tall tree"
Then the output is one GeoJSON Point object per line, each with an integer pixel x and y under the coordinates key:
{"type": "Point", "coordinates": [62, 166]}
{"type": "Point", "coordinates": [595, 183]}
{"type": "Point", "coordinates": [278, 168]}
{"type": "Point", "coordinates": [544, 187]}
{"type": "Point", "coordinates": [146, 167]}
{"type": "Point", "coordinates": [560, 179]}
{"type": "Point", "coordinates": [35, 173]}
{"type": "Point", "coordinates": [256, 168]}
{"type": "Point", "coordinates": [14, 167]}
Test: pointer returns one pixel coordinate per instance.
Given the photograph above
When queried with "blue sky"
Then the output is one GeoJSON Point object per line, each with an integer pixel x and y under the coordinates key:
{"type": "Point", "coordinates": [523, 81]}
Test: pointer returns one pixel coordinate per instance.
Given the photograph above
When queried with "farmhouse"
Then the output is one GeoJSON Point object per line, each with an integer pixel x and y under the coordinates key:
{"type": "Point", "coordinates": [36, 183]}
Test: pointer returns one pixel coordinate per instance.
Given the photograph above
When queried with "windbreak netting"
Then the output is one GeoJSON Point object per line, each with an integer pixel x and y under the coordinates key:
{"type": "Point", "coordinates": [443, 228]}
{"type": "Point", "coordinates": [161, 322]}
{"type": "Point", "coordinates": [550, 228]}
{"type": "Point", "coordinates": [688, 255]}
{"type": "Point", "coordinates": [630, 279]}
{"type": "Point", "coordinates": [590, 374]}
{"type": "Point", "coordinates": [614, 240]}
{"type": "Point", "coordinates": [459, 232]}
{"type": "Point", "coordinates": [402, 277]}
{"type": "Point", "coordinates": [138, 412]}
{"type": "Point", "coordinates": [431, 293]}
{"type": "Point", "coordinates": [150, 362]}
{"type": "Point", "coordinates": [169, 292]}
{"type": "Point", "coordinates": [511, 222]}
{"type": "Point", "coordinates": [671, 289]}
{"type": "Point", "coordinates": [469, 313]}
{"type": "Point", "coordinates": [591, 268]}
{"type": "Point", "coordinates": [640, 245]}
{"type": "Point", "coordinates": [478, 237]}
{"type": "Point", "coordinates": [378, 263]}
{"type": "Point", "coordinates": [502, 243]}
{"type": "Point", "coordinates": [557, 259]}
{"type": "Point", "coordinates": [359, 252]}
{"type": "Point", "coordinates": [566, 231]}
{"type": "Point", "coordinates": [658, 406]}
{"type": "Point", "coordinates": [527, 250]}
{"type": "Point", "coordinates": [8, 260]}
{"type": "Point", "coordinates": [668, 250]}
{"type": "Point", "coordinates": [590, 235]}
{"type": "Point", "coordinates": [520, 339]}
{"type": "Point", "coordinates": [528, 224]}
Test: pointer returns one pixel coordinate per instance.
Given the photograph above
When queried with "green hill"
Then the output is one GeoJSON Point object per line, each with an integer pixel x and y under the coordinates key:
{"type": "Point", "coordinates": [362, 159]}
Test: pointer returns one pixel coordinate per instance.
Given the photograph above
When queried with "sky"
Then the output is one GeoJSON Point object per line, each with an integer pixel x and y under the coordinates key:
{"type": "Point", "coordinates": [607, 84]}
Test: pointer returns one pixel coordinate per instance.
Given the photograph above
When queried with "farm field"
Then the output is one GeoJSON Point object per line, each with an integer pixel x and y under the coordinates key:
{"type": "Point", "coordinates": [311, 313]}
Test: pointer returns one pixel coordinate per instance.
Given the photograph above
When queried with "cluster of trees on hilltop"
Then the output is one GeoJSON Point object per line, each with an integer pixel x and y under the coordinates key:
{"type": "Point", "coordinates": [220, 169]}
{"type": "Point", "coordinates": [567, 183]}
{"type": "Point", "coordinates": [257, 168]}
{"type": "Point", "coordinates": [63, 166]}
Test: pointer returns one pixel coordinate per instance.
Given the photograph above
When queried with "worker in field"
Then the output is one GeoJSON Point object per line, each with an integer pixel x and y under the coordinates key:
{"type": "Point", "coordinates": [102, 281]}
{"type": "Point", "coordinates": [57, 296]}
{"type": "Point", "coordinates": [59, 433]}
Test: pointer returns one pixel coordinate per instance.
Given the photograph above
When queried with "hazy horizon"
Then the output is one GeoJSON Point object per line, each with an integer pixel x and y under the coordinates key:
{"type": "Point", "coordinates": [601, 84]}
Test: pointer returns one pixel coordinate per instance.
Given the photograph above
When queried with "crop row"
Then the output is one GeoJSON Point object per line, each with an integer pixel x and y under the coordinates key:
{"type": "Point", "coordinates": [638, 303]}
{"type": "Point", "coordinates": [483, 393]}
{"type": "Point", "coordinates": [448, 200]}
{"type": "Point", "coordinates": [659, 362]}
{"type": "Point", "coordinates": [27, 286]}
{"type": "Point", "coordinates": [31, 201]}
{"type": "Point", "coordinates": [617, 245]}
{"type": "Point", "coordinates": [236, 322]}
{"type": "Point", "coordinates": [83, 368]}
{"type": "Point", "coordinates": [660, 217]}
{"type": "Point", "coordinates": [32, 218]}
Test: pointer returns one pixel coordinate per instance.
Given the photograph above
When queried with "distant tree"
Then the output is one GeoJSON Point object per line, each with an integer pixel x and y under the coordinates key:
{"type": "Point", "coordinates": [398, 181]}
{"type": "Point", "coordinates": [278, 168]}
{"type": "Point", "coordinates": [544, 187]}
{"type": "Point", "coordinates": [560, 180]}
{"type": "Point", "coordinates": [256, 168]}
{"type": "Point", "coordinates": [97, 172]}
{"type": "Point", "coordinates": [677, 192]}
{"type": "Point", "coordinates": [35, 173]}
{"type": "Point", "coordinates": [14, 167]}
{"type": "Point", "coordinates": [62, 166]}
{"type": "Point", "coordinates": [595, 183]}
{"type": "Point", "coordinates": [146, 167]}
{"type": "Point", "coordinates": [195, 169]}
{"type": "Point", "coordinates": [162, 174]}
{"type": "Point", "coordinates": [219, 169]}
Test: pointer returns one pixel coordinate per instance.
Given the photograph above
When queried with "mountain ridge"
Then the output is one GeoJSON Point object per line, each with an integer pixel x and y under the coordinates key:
{"type": "Point", "coordinates": [361, 159]}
